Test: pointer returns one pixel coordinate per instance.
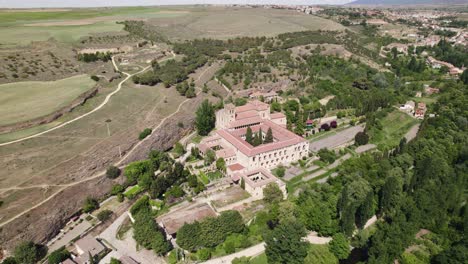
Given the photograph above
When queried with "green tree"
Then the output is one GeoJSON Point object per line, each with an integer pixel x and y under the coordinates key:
{"type": "Point", "coordinates": [104, 215]}
{"type": "Point", "coordinates": [147, 233]}
{"type": "Point", "coordinates": [249, 136]}
{"type": "Point", "coordinates": [269, 136]}
{"type": "Point", "coordinates": [190, 93]}
{"type": "Point", "coordinates": [221, 164]}
{"type": "Point", "coordinates": [361, 138]}
{"type": "Point", "coordinates": [299, 129]}
{"type": "Point", "coordinates": [115, 261]}
{"type": "Point", "coordinates": [339, 246]}
{"type": "Point", "coordinates": [320, 254]}
{"type": "Point", "coordinates": [188, 236]}
{"type": "Point", "coordinates": [272, 193]}
{"type": "Point", "coordinates": [112, 172]}
{"type": "Point", "coordinates": [90, 204]}
{"type": "Point", "coordinates": [179, 149]}
{"type": "Point", "coordinates": [210, 156]}
{"type": "Point", "coordinates": [205, 118]}
{"type": "Point", "coordinates": [27, 252]}
{"type": "Point", "coordinates": [59, 255]}
{"type": "Point", "coordinates": [10, 260]}
{"type": "Point", "coordinates": [204, 254]}
{"type": "Point", "coordinates": [390, 194]}
{"type": "Point", "coordinates": [464, 76]}
{"type": "Point", "coordinates": [242, 183]}
{"type": "Point", "coordinates": [284, 243]}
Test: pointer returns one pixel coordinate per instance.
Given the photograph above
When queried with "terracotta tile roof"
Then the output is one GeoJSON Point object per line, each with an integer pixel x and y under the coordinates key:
{"type": "Point", "coordinates": [235, 167]}
{"type": "Point", "coordinates": [285, 138]}
{"type": "Point", "coordinates": [245, 122]}
{"type": "Point", "coordinates": [247, 114]}
{"type": "Point", "coordinates": [253, 105]}
{"type": "Point", "coordinates": [225, 153]}
{"type": "Point", "coordinates": [277, 115]}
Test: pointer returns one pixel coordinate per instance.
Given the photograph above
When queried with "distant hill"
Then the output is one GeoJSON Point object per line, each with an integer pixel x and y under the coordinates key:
{"type": "Point", "coordinates": [406, 2]}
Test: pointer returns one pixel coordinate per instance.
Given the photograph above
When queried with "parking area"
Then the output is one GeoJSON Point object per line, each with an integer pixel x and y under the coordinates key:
{"type": "Point", "coordinates": [341, 138]}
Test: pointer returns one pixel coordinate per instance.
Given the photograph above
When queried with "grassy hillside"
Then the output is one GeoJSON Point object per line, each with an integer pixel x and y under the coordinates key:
{"type": "Point", "coordinates": [23, 101]}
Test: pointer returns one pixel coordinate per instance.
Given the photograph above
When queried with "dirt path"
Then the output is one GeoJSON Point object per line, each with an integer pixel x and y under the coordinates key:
{"type": "Point", "coordinates": [119, 164]}
{"type": "Point", "coordinates": [106, 100]}
{"type": "Point", "coordinates": [412, 133]}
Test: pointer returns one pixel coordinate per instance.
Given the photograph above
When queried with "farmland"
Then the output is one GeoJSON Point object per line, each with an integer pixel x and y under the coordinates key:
{"type": "Point", "coordinates": [23, 101]}
{"type": "Point", "coordinates": [224, 23]}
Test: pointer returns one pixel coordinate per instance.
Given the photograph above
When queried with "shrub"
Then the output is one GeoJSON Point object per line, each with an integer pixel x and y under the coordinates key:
{"type": "Point", "coordinates": [361, 138]}
{"type": "Point", "coordinates": [120, 197]}
{"type": "Point", "coordinates": [327, 155]}
{"type": "Point", "coordinates": [280, 171]}
{"type": "Point", "coordinates": [104, 215]}
{"type": "Point", "coordinates": [112, 172]}
{"type": "Point", "coordinates": [146, 132]}
{"type": "Point", "coordinates": [95, 78]}
{"type": "Point", "coordinates": [90, 204]}
{"type": "Point", "coordinates": [204, 254]}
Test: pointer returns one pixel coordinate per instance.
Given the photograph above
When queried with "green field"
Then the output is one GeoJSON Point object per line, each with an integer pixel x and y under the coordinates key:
{"type": "Point", "coordinates": [69, 25]}
{"type": "Point", "coordinates": [230, 22]}
{"type": "Point", "coordinates": [394, 127]}
{"type": "Point", "coordinates": [23, 101]}
{"type": "Point", "coordinates": [23, 35]}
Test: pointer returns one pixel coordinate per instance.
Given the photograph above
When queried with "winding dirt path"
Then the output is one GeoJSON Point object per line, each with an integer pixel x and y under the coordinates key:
{"type": "Point", "coordinates": [100, 174]}
{"type": "Point", "coordinates": [106, 100]}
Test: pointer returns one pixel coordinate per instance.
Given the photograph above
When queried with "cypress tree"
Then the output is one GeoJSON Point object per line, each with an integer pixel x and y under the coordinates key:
{"type": "Point", "coordinates": [269, 136]}
{"type": "Point", "coordinates": [260, 136]}
{"type": "Point", "coordinates": [249, 136]}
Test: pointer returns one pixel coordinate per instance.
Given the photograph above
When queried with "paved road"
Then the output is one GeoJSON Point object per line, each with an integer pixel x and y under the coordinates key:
{"type": "Point", "coordinates": [248, 252]}
{"type": "Point", "coordinates": [334, 141]}
{"type": "Point", "coordinates": [258, 249]}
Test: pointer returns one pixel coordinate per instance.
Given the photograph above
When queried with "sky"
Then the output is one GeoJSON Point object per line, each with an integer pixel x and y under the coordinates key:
{"type": "Point", "coordinates": [95, 3]}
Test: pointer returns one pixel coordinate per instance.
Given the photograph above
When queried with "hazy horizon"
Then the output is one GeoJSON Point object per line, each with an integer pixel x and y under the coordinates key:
{"type": "Point", "coordinates": [97, 3]}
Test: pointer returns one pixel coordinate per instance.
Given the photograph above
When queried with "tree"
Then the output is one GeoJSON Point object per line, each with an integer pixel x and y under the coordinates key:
{"type": "Point", "coordinates": [361, 138]}
{"type": "Point", "coordinates": [147, 233]}
{"type": "Point", "coordinates": [204, 254]}
{"type": "Point", "coordinates": [339, 246]}
{"type": "Point", "coordinates": [179, 149]}
{"type": "Point", "coordinates": [210, 157]}
{"type": "Point", "coordinates": [28, 252]}
{"type": "Point", "coordinates": [299, 130]}
{"type": "Point", "coordinates": [464, 76]}
{"type": "Point", "coordinates": [188, 236]}
{"type": "Point", "coordinates": [112, 172]}
{"type": "Point", "coordinates": [205, 118]}
{"type": "Point", "coordinates": [221, 164]}
{"type": "Point", "coordinates": [280, 171]}
{"type": "Point", "coordinates": [104, 215]}
{"type": "Point", "coordinates": [190, 93]}
{"type": "Point", "coordinates": [10, 260]}
{"type": "Point", "coordinates": [249, 136]}
{"type": "Point", "coordinates": [146, 132]}
{"type": "Point", "coordinates": [59, 255]}
{"type": "Point", "coordinates": [115, 261]}
{"type": "Point", "coordinates": [284, 243]}
{"type": "Point", "coordinates": [366, 210]}
{"type": "Point", "coordinates": [269, 136]}
{"type": "Point", "coordinates": [242, 183]}
{"type": "Point", "coordinates": [272, 193]}
{"type": "Point", "coordinates": [391, 193]}
{"type": "Point", "coordinates": [90, 204]}
{"type": "Point", "coordinates": [320, 254]}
